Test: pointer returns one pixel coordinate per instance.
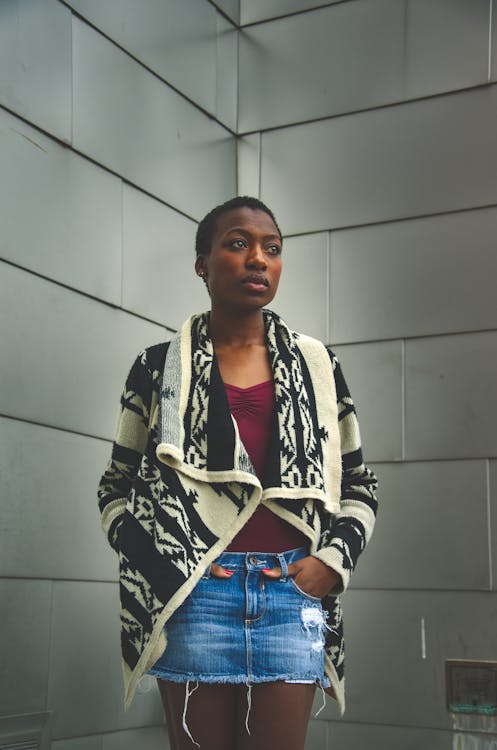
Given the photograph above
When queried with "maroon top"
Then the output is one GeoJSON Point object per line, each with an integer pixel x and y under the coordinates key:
{"type": "Point", "coordinates": [253, 410]}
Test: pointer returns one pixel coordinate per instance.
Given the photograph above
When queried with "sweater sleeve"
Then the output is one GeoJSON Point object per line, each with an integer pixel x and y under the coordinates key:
{"type": "Point", "coordinates": [128, 448]}
{"type": "Point", "coordinates": [345, 535]}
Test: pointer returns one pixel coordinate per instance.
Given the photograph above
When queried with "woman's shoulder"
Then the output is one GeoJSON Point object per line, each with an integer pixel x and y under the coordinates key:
{"type": "Point", "coordinates": [312, 344]}
{"type": "Point", "coordinates": [155, 355]}
{"type": "Point", "coordinates": [149, 363]}
{"type": "Point", "coordinates": [303, 340]}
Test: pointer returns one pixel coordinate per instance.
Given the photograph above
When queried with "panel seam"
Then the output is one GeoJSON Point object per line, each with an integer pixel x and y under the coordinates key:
{"type": "Point", "coordinates": [490, 40]}
{"type": "Point", "coordinates": [489, 526]}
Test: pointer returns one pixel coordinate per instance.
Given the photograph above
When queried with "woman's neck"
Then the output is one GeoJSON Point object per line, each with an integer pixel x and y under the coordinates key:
{"type": "Point", "coordinates": [240, 346]}
{"type": "Point", "coordinates": [246, 329]}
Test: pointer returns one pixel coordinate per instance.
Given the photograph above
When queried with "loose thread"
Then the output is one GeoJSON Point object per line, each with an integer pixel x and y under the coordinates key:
{"type": "Point", "coordinates": [188, 693]}
{"type": "Point", "coordinates": [324, 702]}
{"type": "Point", "coordinates": [249, 706]}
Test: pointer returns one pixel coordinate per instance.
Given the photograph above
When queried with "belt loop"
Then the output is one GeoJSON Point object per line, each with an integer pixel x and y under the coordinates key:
{"type": "Point", "coordinates": [283, 566]}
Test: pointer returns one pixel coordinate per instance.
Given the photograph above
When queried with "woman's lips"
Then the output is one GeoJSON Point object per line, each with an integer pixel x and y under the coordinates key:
{"type": "Point", "coordinates": [256, 282]}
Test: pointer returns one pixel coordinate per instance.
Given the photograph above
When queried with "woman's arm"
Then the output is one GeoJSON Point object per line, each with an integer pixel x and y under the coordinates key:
{"type": "Point", "coordinates": [128, 448]}
{"type": "Point", "coordinates": [344, 536]}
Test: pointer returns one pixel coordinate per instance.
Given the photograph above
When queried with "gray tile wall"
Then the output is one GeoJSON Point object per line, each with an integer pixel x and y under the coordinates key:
{"type": "Point", "coordinates": [363, 55]}
{"type": "Point", "coordinates": [282, 83]}
{"type": "Point", "coordinates": [177, 40]}
{"type": "Point", "coordinates": [35, 63]}
{"type": "Point", "coordinates": [26, 607]}
{"type": "Point", "coordinates": [441, 259]}
{"type": "Point", "coordinates": [75, 354]}
{"type": "Point", "coordinates": [74, 231]}
{"type": "Point", "coordinates": [370, 129]}
{"type": "Point", "coordinates": [430, 512]}
{"type": "Point", "coordinates": [50, 529]}
{"type": "Point", "coordinates": [422, 157]}
{"type": "Point", "coordinates": [230, 7]}
{"type": "Point", "coordinates": [252, 11]}
{"type": "Point", "coordinates": [167, 147]}
{"type": "Point", "coordinates": [85, 621]}
{"type": "Point", "coordinates": [377, 737]}
{"type": "Point", "coordinates": [492, 511]}
{"type": "Point", "coordinates": [392, 679]}
{"type": "Point", "coordinates": [451, 396]}
{"type": "Point", "coordinates": [113, 122]}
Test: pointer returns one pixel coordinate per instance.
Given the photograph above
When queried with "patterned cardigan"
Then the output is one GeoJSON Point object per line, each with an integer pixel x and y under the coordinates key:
{"type": "Point", "coordinates": [179, 484]}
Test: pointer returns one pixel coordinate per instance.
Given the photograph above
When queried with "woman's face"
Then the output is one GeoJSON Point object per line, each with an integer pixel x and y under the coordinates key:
{"type": "Point", "coordinates": [243, 267]}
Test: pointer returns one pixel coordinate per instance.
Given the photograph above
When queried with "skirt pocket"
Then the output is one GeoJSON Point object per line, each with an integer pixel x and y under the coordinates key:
{"type": "Point", "coordinates": [300, 591]}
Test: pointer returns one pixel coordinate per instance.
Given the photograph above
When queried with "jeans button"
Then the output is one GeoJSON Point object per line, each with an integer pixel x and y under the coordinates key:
{"type": "Point", "coordinates": [253, 560]}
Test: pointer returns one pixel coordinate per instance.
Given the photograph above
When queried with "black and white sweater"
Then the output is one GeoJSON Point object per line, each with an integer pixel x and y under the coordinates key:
{"type": "Point", "coordinates": [180, 485]}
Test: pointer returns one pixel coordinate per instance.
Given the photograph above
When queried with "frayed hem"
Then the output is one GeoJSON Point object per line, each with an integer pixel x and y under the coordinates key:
{"type": "Point", "coordinates": [236, 679]}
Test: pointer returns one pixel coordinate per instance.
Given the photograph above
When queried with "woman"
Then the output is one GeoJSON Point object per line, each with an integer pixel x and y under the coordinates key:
{"type": "Point", "coordinates": [238, 502]}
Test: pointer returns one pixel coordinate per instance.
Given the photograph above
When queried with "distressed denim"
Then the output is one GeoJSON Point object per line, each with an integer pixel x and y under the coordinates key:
{"type": "Point", "coordinates": [247, 628]}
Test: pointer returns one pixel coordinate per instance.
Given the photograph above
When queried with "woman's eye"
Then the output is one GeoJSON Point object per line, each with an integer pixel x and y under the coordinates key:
{"type": "Point", "coordinates": [274, 249]}
{"type": "Point", "coordinates": [238, 243]}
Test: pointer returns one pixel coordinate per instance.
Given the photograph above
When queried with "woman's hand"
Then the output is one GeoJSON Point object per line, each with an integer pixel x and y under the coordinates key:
{"type": "Point", "coordinates": [219, 572]}
{"type": "Point", "coordinates": [310, 574]}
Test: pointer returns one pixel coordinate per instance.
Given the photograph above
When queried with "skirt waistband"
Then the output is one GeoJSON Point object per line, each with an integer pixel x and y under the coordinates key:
{"type": "Point", "coordinates": [259, 560]}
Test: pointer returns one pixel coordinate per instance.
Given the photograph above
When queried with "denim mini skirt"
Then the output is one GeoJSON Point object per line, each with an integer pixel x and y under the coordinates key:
{"type": "Point", "coordinates": [247, 628]}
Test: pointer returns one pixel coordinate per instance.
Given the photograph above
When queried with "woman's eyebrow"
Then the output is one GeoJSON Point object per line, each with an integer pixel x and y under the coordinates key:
{"type": "Point", "coordinates": [248, 233]}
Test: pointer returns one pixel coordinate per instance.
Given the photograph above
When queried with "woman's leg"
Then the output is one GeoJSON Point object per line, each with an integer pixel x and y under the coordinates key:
{"type": "Point", "coordinates": [216, 715]}
{"type": "Point", "coordinates": [210, 715]}
{"type": "Point", "coordinates": [278, 718]}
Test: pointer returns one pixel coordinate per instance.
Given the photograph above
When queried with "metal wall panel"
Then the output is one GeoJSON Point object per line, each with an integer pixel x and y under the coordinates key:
{"type": "Point", "coordinates": [302, 298]}
{"type": "Point", "coordinates": [493, 521]}
{"type": "Point", "coordinates": [226, 73]}
{"type": "Point", "coordinates": [375, 737]}
{"type": "Point", "coordinates": [174, 38]}
{"type": "Point", "coordinates": [374, 376]}
{"type": "Point", "coordinates": [159, 280]}
{"type": "Point", "coordinates": [402, 161]}
{"type": "Point", "coordinates": [26, 640]}
{"type": "Point", "coordinates": [230, 7]}
{"type": "Point", "coordinates": [424, 276]}
{"type": "Point", "coordinates": [35, 63]}
{"type": "Point", "coordinates": [146, 738]}
{"type": "Point", "coordinates": [429, 512]}
{"type": "Point", "coordinates": [356, 63]}
{"type": "Point", "coordinates": [317, 735]}
{"type": "Point", "coordinates": [252, 11]}
{"type": "Point", "coordinates": [85, 642]}
{"type": "Point", "coordinates": [248, 164]}
{"type": "Point", "coordinates": [58, 472]}
{"type": "Point", "coordinates": [388, 680]}
{"type": "Point", "coordinates": [493, 47]}
{"type": "Point", "coordinates": [363, 54]}
{"type": "Point", "coordinates": [451, 397]}
{"type": "Point", "coordinates": [436, 34]}
{"type": "Point", "coordinates": [65, 361]}
{"type": "Point", "coordinates": [93, 742]}
{"type": "Point", "coordinates": [60, 214]}
{"type": "Point", "coordinates": [133, 123]}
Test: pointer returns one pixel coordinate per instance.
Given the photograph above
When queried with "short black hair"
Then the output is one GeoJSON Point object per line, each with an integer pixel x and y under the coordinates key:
{"type": "Point", "coordinates": [205, 229]}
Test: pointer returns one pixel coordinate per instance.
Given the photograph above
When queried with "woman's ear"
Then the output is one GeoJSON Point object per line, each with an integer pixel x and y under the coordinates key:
{"type": "Point", "coordinates": [200, 266]}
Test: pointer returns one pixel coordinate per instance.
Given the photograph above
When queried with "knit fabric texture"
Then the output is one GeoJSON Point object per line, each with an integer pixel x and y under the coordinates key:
{"type": "Point", "coordinates": [180, 485]}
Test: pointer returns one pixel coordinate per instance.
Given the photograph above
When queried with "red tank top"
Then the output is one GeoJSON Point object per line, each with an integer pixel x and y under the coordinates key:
{"type": "Point", "coordinates": [253, 410]}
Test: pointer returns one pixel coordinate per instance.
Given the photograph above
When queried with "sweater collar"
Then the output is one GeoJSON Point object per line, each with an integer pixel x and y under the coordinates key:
{"type": "Point", "coordinates": [196, 430]}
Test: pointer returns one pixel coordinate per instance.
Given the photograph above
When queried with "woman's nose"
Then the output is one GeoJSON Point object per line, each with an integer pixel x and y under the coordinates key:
{"type": "Point", "coordinates": [256, 257]}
